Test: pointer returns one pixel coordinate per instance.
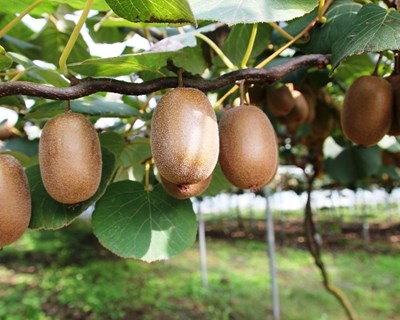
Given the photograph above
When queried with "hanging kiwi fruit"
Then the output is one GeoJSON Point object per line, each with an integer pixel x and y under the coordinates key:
{"type": "Point", "coordinates": [367, 111]}
{"type": "Point", "coordinates": [248, 147]}
{"type": "Point", "coordinates": [185, 191]}
{"type": "Point", "coordinates": [15, 200]}
{"type": "Point", "coordinates": [70, 158]}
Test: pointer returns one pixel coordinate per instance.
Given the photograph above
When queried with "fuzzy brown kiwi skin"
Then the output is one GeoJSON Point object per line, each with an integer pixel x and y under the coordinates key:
{"type": "Point", "coordinates": [70, 158]}
{"type": "Point", "coordinates": [185, 191]}
{"type": "Point", "coordinates": [367, 110]}
{"type": "Point", "coordinates": [280, 101]}
{"type": "Point", "coordinates": [300, 111]}
{"type": "Point", "coordinates": [394, 81]}
{"type": "Point", "coordinates": [15, 200]}
{"type": "Point", "coordinates": [184, 136]}
{"type": "Point", "coordinates": [248, 147]}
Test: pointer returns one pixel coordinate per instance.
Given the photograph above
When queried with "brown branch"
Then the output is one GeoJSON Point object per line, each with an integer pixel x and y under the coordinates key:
{"type": "Point", "coordinates": [90, 86]}
{"type": "Point", "coordinates": [314, 247]}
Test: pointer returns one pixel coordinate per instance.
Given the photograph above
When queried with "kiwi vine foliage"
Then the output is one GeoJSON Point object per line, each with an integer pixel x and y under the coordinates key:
{"type": "Point", "coordinates": [352, 36]}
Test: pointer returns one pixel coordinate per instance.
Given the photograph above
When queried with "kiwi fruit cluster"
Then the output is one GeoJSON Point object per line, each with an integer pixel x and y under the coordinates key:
{"type": "Point", "coordinates": [15, 200]}
{"type": "Point", "coordinates": [184, 141]}
{"type": "Point", "coordinates": [367, 112]}
{"type": "Point", "coordinates": [70, 158]}
{"type": "Point", "coordinates": [187, 142]}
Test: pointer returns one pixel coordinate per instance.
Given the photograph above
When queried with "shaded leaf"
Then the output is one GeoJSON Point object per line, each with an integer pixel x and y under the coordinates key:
{"type": "Point", "coordinates": [250, 11]}
{"type": "Point", "coordinates": [165, 11]}
{"type": "Point", "coordinates": [373, 29]}
{"type": "Point", "coordinates": [218, 183]}
{"type": "Point", "coordinates": [149, 226]}
{"type": "Point", "coordinates": [101, 108]}
{"type": "Point", "coordinates": [353, 163]}
{"type": "Point", "coordinates": [50, 214]}
{"type": "Point", "coordinates": [135, 153]}
{"type": "Point", "coordinates": [112, 141]}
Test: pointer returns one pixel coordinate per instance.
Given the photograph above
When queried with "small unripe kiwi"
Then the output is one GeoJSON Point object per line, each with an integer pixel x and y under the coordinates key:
{"type": "Point", "coordinates": [184, 136]}
{"type": "Point", "coordinates": [185, 191]}
{"type": "Point", "coordinates": [248, 147]}
{"type": "Point", "coordinates": [15, 200]}
{"type": "Point", "coordinates": [280, 101]}
{"type": "Point", "coordinates": [70, 158]}
{"type": "Point", "coordinates": [367, 110]}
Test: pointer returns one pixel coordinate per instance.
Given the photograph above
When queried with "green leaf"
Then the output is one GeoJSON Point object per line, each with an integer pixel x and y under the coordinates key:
{"type": "Point", "coordinates": [250, 11]}
{"type": "Point", "coordinates": [51, 42]}
{"type": "Point", "coordinates": [236, 43]}
{"type": "Point", "coordinates": [134, 153]}
{"type": "Point", "coordinates": [149, 226]}
{"type": "Point", "coordinates": [50, 214]}
{"type": "Point", "coordinates": [354, 67]}
{"type": "Point", "coordinates": [353, 163]}
{"type": "Point", "coordinates": [5, 61]}
{"type": "Point", "coordinates": [124, 64]}
{"type": "Point", "coordinates": [374, 29]}
{"type": "Point", "coordinates": [340, 16]}
{"type": "Point", "coordinates": [112, 141]}
{"type": "Point", "coordinates": [101, 108]}
{"type": "Point", "coordinates": [218, 183]}
{"type": "Point", "coordinates": [42, 75]}
{"type": "Point", "coordinates": [164, 11]}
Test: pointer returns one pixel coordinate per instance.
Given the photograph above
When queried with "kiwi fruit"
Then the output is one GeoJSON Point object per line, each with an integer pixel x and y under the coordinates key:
{"type": "Point", "coordinates": [394, 81]}
{"type": "Point", "coordinates": [184, 136]}
{"type": "Point", "coordinates": [248, 147]}
{"type": "Point", "coordinates": [70, 158]}
{"type": "Point", "coordinates": [280, 101]}
{"type": "Point", "coordinates": [367, 110]}
{"type": "Point", "coordinates": [15, 200]}
{"type": "Point", "coordinates": [300, 111]}
{"type": "Point", "coordinates": [185, 191]}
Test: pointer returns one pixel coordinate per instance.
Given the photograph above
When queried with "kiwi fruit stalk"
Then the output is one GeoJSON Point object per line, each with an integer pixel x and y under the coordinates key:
{"type": "Point", "coordinates": [248, 147]}
{"type": "Point", "coordinates": [70, 158]}
{"type": "Point", "coordinates": [184, 136]}
{"type": "Point", "coordinates": [185, 191]}
{"type": "Point", "coordinates": [15, 200]}
{"type": "Point", "coordinates": [367, 110]}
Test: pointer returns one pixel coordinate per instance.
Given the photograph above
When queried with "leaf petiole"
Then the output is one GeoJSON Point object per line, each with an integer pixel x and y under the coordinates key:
{"type": "Point", "coordinates": [250, 46]}
{"type": "Point", "coordinates": [217, 50]}
{"type": "Point", "coordinates": [74, 36]}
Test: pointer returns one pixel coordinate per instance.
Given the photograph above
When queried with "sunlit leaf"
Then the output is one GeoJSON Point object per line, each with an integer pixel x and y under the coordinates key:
{"type": "Point", "coordinates": [149, 226]}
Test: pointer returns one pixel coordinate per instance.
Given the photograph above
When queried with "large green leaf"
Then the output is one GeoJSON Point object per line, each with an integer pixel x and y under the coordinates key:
{"type": "Point", "coordinates": [169, 11]}
{"type": "Point", "coordinates": [50, 214]}
{"type": "Point", "coordinates": [340, 16]}
{"type": "Point", "coordinates": [123, 65]}
{"type": "Point", "coordinates": [149, 226]}
{"type": "Point", "coordinates": [353, 163]}
{"type": "Point", "coordinates": [101, 108]}
{"type": "Point", "coordinates": [373, 29]}
{"type": "Point", "coordinates": [250, 11]}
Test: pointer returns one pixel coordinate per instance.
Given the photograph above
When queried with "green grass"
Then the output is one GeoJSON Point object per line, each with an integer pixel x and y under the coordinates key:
{"type": "Point", "coordinates": [67, 275]}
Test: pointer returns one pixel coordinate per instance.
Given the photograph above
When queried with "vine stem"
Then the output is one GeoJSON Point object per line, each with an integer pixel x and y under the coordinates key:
{"type": "Point", "coordinates": [217, 50]}
{"type": "Point", "coordinates": [315, 249]}
{"type": "Point", "coordinates": [18, 18]}
{"type": "Point", "coordinates": [281, 31]}
{"type": "Point", "coordinates": [250, 46]}
{"type": "Point", "coordinates": [321, 17]}
{"type": "Point", "coordinates": [74, 36]}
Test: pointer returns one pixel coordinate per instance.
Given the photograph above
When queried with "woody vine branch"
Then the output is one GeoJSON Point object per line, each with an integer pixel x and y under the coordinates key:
{"type": "Point", "coordinates": [87, 86]}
